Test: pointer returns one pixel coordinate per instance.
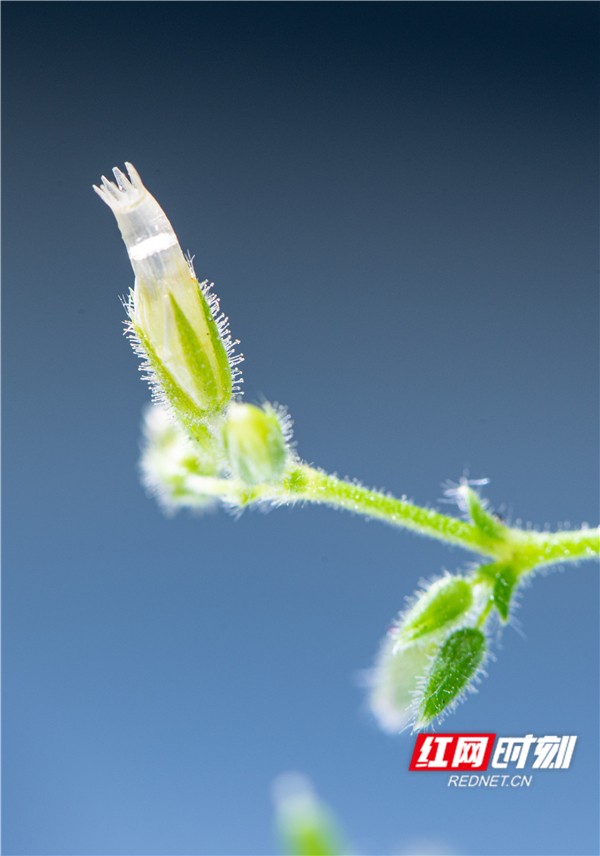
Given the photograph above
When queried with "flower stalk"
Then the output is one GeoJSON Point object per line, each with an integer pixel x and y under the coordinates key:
{"type": "Point", "coordinates": [302, 483]}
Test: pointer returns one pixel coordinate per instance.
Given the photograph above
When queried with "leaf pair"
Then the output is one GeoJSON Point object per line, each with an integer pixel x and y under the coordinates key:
{"type": "Point", "coordinates": [430, 656]}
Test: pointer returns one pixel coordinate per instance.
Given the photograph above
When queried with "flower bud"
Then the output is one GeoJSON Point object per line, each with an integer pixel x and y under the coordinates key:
{"type": "Point", "coordinates": [171, 316]}
{"type": "Point", "coordinates": [452, 671]}
{"type": "Point", "coordinates": [255, 444]}
{"type": "Point", "coordinates": [411, 645]}
{"type": "Point", "coordinates": [394, 682]}
{"type": "Point", "coordinates": [172, 466]}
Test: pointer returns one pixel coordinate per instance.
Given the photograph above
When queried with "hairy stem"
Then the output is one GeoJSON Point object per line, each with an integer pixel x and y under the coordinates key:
{"type": "Point", "coordinates": [524, 550]}
{"type": "Point", "coordinates": [307, 483]}
{"type": "Point", "coordinates": [546, 548]}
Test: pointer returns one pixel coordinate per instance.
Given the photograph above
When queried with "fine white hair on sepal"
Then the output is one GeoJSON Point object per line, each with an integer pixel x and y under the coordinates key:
{"type": "Point", "coordinates": [286, 423]}
{"type": "Point", "coordinates": [229, 343]}
{"type": "Point", "coordinates": [157, 393]}
{"type": "Point", "coordinates": [190, 260]}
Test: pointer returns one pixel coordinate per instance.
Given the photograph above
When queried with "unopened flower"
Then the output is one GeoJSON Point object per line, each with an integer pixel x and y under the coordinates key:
{"type": "Point", "coordinates": [255, 443]}
{"type": "Point", "coordinates": [394, 682]}
{"type": "Point", "coordinates": [173, 318]}
{"type": "Point", "coordinates": [412, 647]}
{"type": "Point", "coordinates": [172, 466]}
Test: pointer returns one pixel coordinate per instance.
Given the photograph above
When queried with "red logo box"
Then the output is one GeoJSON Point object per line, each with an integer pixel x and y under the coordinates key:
{"type": "Point", "coordinates": [447, 752]}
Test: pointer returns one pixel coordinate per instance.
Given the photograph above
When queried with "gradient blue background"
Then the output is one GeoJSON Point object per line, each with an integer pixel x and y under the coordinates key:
{"type": "Point", "coordinates": [398, 203]}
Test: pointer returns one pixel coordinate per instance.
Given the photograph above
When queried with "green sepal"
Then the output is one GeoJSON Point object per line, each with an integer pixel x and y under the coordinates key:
{"type": "Point", "coordinates": [454, 666]}
{"type": "Point", "coordinates": [453, 599]}
{"type": "Point", "coordinates": [254, 443]}
{"type": "Point", "coordinates": [187, 411]}
{"type": "Point", "coordinates": [210, 373]}
{"type": "Point", "coordinates": [219, 353]}
{"type": "Point", "coordinates": [504, 587]}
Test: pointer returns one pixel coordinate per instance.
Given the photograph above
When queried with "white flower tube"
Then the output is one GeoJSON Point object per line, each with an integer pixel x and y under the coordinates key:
{"type": "Point", "coordinates": [173, 318]}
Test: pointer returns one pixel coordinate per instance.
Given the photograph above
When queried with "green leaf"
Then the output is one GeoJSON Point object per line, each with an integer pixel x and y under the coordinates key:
{"type": "Point", "coordinates": [452, 670]}
{"type": "Point", "coordinates": [504, 587]}
{"type": "Point", "coordinates": [481, 517]}
{"type": "Point", "coordinates": [451, 598]}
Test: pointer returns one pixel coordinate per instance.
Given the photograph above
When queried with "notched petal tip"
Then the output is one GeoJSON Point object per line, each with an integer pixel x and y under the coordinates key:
{"type": "Point", "coordinates": [127, 191]}
{"type": "Point", "coordinates": [122, 181]}
{"type": "Point", "coordinates": [110, 187]}
{"type": "Point", "coordinates": [99, 191]}
{"type": "Point", "coordinates": [134, 176]}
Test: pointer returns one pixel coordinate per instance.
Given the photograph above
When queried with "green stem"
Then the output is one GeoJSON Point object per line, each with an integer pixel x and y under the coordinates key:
{"type": "Point", "coordinates": [484, 613]}
{"type": "Point", "coordinates": [312, 485]}
{"type": "Point", "coordinates": [491, 538]}
{"type": "Point", "coordinates": [546, 548]}
{"type": "Point", "coordinates": [524, 550]}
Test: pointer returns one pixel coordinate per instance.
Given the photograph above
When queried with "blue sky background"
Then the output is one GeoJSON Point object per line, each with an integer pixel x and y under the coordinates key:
{"type": "Point", "coordinates": [398, 204]}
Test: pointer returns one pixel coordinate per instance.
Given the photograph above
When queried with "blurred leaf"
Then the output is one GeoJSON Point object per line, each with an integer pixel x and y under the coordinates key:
{"type": "Point", "coordinates": [305, 826]}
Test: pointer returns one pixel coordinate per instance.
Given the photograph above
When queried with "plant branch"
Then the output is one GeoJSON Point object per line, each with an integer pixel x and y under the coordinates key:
{"type": "Point", "coordinates": [485, 535]}
{"type": "Point", "coordinates": [546, 548]}
{"type": "Point", "coordinates": [313, 485]}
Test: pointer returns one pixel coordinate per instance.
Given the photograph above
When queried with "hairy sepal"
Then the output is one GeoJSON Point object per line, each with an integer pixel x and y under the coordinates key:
{"type": "Point", "coordinates": [440, 606]}
{"type": "Point", "coordinates": [452, 671]}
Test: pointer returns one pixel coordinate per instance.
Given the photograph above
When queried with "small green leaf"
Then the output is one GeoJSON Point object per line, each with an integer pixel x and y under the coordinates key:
{"type": "Point", "coordinates": [453, 668]}
{"type": "Point", "coordinates": [451, 598]}
{"type": "Point", "coordinates": [504, 587]}
{"type": "Point", "coordinates": [482, 518]}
